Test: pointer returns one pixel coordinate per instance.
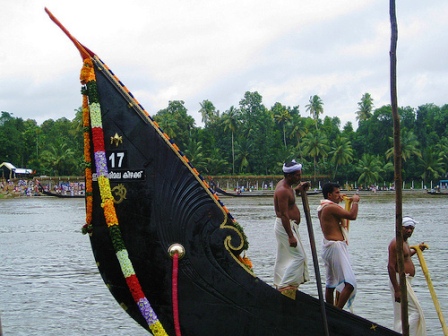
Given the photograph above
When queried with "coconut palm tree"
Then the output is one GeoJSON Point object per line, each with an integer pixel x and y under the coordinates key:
{"type": "Point", "coordinates": [58, 158]}
{"type": "Point", "coordinates": [442, 148]}
{"type": "Point", "coordinates": [232, 122]}
{"type": "Point", "coordinates": [216, 164]}
{"type": "Point", "coordinates": [315, 107]}
{"type": "Point", "coordinates": [243, 150]}
{"type": "Point", "coordinates": [431, 164]}
{"type": "Point", "coordinates": [208, 111]}
{"type": "Point", "coordinates": [365, 107]}
{"type": "Point", "coordinates": [369, 168]}
{"type": "Point", "coordinates": [281, 116]}
{"type": "Point", "coordinates": [168, 124]}
{"type": "Point", "coordinates": [195, 154]}
{"type": "Point", "coordinates": [341, 153]}
{"type": "Point", "coordinates": [300, 128]}
{"type": "Point", "coordinates": [315, 144]}
{"type": "Point", "coordinates": [409, 145]}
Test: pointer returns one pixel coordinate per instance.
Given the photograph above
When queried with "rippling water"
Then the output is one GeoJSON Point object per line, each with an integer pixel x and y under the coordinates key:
{"type": "Point", "coordinates": [49, 283]}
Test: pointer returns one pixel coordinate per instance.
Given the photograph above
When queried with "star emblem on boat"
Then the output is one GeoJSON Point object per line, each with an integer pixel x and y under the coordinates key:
{"type": "Point", "coordinates": [373, 327]}
{"type": "Point", "coordinates": [116, 139]}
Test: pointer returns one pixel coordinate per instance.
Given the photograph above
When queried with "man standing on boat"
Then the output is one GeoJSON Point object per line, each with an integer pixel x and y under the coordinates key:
{"type": "Point", "coordinates": [290, 268]}
{"type": "Point", "coordinates": [333, 219]}
{"type": "Point", "coordinates": [417, 325]}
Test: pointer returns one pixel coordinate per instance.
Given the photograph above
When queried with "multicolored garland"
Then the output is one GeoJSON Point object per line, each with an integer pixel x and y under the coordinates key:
{"type": "Point", "coordinates": [92, 121]}
{"type": "Point", "coordinates": [87, 228]}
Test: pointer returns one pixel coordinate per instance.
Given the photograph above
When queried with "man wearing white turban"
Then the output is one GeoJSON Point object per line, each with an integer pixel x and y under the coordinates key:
{"type": "Point", "coordinates": [290, 269]}
{"type": "Point", "coordinates": [417, 325]}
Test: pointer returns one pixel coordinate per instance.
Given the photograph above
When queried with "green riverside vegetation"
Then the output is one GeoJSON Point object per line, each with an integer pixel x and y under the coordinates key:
{"type": "Point", "coordinates": [251, 139]}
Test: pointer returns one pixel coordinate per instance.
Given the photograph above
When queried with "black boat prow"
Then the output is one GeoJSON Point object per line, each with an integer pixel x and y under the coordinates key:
{"type": "Point", "coordinates": [165, 245]}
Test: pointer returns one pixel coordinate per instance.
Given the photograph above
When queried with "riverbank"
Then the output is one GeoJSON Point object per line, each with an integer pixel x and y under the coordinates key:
{"type": "Point", "coordinates": [316, 192]}
{"type": "Point", "coordinates": [62, 187]}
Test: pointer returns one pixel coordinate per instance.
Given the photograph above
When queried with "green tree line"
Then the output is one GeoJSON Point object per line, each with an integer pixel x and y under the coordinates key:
{"type": "Point", "coordinates": [253, 139]}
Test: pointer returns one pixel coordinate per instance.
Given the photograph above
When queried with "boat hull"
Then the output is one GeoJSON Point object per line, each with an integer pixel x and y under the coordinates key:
{"type": "Point", "coordinates": [169, 203]}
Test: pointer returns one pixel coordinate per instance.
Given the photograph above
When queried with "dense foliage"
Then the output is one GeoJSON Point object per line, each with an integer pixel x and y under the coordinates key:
{"type": "Point", "coordinates": [256, 140]}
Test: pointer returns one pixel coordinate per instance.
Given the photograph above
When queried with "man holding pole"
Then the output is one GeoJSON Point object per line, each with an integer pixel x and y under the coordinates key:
{"type": "Point", "coordinates": [290, 269]}
{"type": "Point", "coordinates": [339, 272]}
{"type": "Point", "coordinates": [417, 326]}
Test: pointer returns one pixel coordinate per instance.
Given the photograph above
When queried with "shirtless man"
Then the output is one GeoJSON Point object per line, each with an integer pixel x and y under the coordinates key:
{"type": "Point", "coordinates": [417, 325]}
{"type": "Point", "coordinates": [290, 269]}
{"type": "Point", "coordinates": [332, 219]}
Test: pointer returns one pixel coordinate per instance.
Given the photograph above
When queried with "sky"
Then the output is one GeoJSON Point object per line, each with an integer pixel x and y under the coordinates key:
{"type": "Point", "coordinates": [193, 50]}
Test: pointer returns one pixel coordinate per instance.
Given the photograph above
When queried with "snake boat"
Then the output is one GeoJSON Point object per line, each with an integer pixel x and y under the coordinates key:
{"type": "Point", "coordinates": [168, 249]}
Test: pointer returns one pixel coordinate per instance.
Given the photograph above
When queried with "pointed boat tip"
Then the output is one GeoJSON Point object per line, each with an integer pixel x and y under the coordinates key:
{"type": "Point", "coordinates": [85, 52]}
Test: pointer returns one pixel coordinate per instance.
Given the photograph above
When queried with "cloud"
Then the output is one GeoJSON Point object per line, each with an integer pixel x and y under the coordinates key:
{"type": "Point", "coordinates": [194, 50]}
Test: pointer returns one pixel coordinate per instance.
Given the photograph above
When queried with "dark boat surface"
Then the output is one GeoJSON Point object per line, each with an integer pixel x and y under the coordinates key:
{"type": "Point", "coordinates": [269, 193]}
{"type": "Point", "coordinates": [165, 245]}
{"type": "Point", "coordinates": [48, 193]}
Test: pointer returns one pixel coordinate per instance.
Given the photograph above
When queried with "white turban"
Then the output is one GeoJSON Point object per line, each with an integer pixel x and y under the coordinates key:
{"type": "Point", "coordinates": [408, 221]}
{"type": "Point", "coordinates": [293, 168]}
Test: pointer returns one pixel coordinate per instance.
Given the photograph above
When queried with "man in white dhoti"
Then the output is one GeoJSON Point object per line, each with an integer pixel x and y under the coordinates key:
{"type": "Point", "coordinates": [417, 325]}
{"type": "Point", "coordinates": [290, 269]}
{"type": "Point", "coordinates": [339, 272]}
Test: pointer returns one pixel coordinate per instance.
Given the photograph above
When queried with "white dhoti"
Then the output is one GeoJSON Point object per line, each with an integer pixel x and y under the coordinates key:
{"type": "Point", "coordinates": [417, 324]}
{"type": "Point", "coordinates": [290, 267]}
{"type": "Point", "coordinates": [338, 267]}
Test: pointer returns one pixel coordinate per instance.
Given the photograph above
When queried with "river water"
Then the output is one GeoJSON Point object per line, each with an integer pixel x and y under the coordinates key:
{"type": "Point", "coordinates": [49, 283]}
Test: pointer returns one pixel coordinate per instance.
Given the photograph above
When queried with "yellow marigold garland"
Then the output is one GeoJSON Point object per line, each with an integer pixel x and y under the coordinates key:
{"type": "Point", "coordinates": [104, 185]}
{"type": "Point", "coordinates": [109, 213]}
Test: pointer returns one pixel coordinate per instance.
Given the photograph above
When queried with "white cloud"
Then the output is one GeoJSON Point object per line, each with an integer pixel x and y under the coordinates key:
{"type": "Point", "coordinates": [194, 50]}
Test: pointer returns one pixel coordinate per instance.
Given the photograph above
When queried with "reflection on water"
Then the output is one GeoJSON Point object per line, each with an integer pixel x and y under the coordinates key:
{"type": "Point", "coordinates": [50, 284]}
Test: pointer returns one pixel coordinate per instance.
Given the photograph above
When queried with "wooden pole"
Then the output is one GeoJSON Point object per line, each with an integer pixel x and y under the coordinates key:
{"type": "Point", "coordinates": [431, 288]}
{"type": "Point", "coordinates": [397, 168]}
{"type": "Point", "coordinates": [306, 210]}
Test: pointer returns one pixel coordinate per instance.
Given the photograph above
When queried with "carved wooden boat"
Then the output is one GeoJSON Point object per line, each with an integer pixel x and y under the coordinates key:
{"type": "Point", "coordinates": [165, 245]}
{"type": "Point", "coordinates": [269, 193]}
{"type": "Point", "coordinates": [49, 193]}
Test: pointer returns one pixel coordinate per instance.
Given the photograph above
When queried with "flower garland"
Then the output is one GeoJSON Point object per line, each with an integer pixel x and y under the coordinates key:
{"type": "Point", "coordinates": [87, 228]}
{"type": "Point", "coordinates": [92, 106]}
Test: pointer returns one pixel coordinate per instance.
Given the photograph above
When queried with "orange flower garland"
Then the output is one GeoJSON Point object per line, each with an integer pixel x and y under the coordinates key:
{"type": "Point", "coordinates": [88, 164]}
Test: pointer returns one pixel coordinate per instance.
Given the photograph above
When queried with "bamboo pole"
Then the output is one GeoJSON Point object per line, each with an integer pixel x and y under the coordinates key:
{"type": "Point", "coordinates": [431, 287]}
{"type": "Point", "coordinates": [306, 210]}
{"type": "Point", "coordinates": [397, 168]}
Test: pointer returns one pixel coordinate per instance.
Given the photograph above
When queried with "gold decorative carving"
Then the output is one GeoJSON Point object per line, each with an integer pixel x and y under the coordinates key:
{"type": "Point", "coordinates": [116, 139]}
{"type": "Point", "coordinates": [119, 193]}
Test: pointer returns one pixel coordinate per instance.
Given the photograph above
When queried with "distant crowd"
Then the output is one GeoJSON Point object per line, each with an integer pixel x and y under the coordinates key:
{"type": "Point", "coordinates": [20, 187]}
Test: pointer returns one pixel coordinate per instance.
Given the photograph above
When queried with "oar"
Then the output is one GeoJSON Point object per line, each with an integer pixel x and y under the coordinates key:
{"type": "Point", "coordinates": [431, 287]}
{"type": "Point", "coordinates": [348, 205]}
{"type": "Point", "coordinates": [306, 210]}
